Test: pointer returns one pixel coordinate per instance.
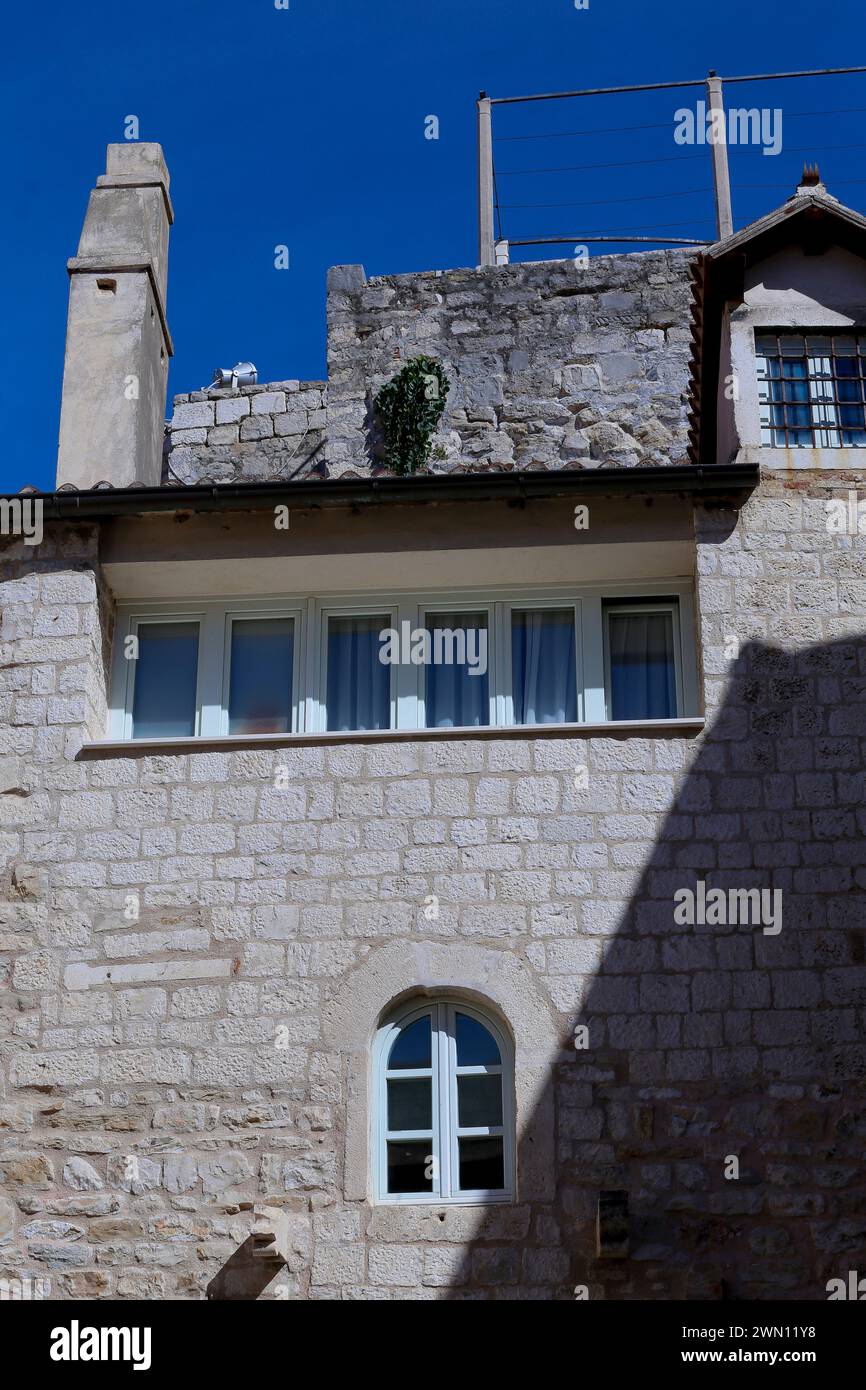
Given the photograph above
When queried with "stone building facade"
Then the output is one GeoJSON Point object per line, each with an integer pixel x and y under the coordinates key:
{"type": "Point", "coordinates": [200, 937]}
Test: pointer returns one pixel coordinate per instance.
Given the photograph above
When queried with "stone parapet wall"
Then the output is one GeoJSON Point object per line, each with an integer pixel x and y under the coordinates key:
{"type": "Point", "coordinates": [253, 434]}
{"type": "Point", "coordinates": [552, 365]}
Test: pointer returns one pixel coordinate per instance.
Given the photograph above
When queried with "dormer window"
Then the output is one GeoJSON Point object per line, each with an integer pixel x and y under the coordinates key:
{"type": "Point", "coordinates": [812, 390]}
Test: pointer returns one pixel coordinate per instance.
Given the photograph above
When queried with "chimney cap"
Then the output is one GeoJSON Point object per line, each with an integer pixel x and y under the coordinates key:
{"type": "Point", "coordinates": [810, 183]}
{"type": "Point", "coordinates": [134, 161]}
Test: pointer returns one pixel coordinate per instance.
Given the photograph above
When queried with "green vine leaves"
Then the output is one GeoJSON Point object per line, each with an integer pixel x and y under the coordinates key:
{"type": "Point", "coordinates": [409, 408]}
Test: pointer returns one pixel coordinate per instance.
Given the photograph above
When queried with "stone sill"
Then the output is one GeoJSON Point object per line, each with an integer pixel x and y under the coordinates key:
{"type": "Point", "coordinates": [846, 459]}
{"type": "Point", "coordinates": [230, 743]}
{"type": "Point", "coordinates": [415, 1199]}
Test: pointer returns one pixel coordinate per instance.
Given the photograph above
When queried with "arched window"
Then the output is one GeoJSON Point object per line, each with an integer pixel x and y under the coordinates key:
{"type": "Point", "coordinates": [444, 1106]}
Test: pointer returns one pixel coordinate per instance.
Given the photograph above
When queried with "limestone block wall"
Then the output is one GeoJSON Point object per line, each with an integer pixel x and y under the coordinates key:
{"type": "Point", "coordinates": [253, 434]}
{"type": "Point", "coordinates": [191, 949]}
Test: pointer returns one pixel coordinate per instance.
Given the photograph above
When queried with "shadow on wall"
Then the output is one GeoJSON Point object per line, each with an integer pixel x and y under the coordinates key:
{"type": "Point", "coordinates": [244, 1277]}
{"type": "Point", "coordinates": [716, 1039]}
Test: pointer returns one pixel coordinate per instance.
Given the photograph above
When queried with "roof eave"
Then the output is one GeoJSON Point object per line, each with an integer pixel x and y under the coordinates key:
{"type": "Point", "coordinates": [105, 503]}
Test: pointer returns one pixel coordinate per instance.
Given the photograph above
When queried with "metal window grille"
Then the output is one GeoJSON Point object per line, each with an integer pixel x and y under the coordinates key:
{"type": "Point", "coordinates": [812, 390]}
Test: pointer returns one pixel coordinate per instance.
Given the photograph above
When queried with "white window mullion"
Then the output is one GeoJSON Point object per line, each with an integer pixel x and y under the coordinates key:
{"type": "Point", "coordinates": [500, 678]}
{"type": "Point", "coordinates": [578, 662]}
{"type": "Point", "coordinates": [212, 656]}
{"type": "Point", "coordinates": [592, 659]}
{"type": "Point", "coordinates": [493, 685]}
{"type": "Point", "coordinates": [381, 1100]}
{"type": "Point", "coordinates": [408, 678]}
{"type": "Point", "coordinates": [314, 668]}
{"type": "Point", "coordinates": [445, 1044]}
{"type": "Point", "coordinates": [435, 1091]}
{"type": "Point", "coordinates": [298, 670]}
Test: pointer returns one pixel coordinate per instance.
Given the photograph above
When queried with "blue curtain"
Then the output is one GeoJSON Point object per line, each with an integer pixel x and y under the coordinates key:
{"type": "Point", "coordinates": [453, 697]}
{"type": "Point", "coordinates": [544, 679]}
{"type": "Point", "coordinates": [642, 672]}
{"type": "Point", "coordinates": [359, 684]}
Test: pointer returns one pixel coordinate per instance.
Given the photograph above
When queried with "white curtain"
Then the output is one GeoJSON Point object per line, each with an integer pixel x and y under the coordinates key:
{"type": "Point", "coordinates": [543, 669]}
{"type": "Point", "coordinates": [359, 684]}
{"type": "Point", "coordinates": [642, 673]}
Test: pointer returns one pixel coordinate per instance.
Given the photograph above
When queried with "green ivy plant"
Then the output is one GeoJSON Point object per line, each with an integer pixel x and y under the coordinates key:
{"type": "Point", "coordinates": [409, 408]}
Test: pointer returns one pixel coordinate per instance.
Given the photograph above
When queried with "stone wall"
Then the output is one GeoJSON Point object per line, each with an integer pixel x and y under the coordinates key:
{"type": "Point", "coordinates": [181, 936]}
{"type": "Point", "coordinates": [552, 365]}
{"type": "Point", "coordinates": [253, 434]}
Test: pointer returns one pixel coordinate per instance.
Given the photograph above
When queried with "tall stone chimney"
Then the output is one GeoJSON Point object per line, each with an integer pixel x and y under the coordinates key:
{"type": "Point", "coordinates": [115, 371]}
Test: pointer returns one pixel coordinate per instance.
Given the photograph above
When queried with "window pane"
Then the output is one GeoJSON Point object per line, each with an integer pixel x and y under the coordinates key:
{"type": "Point", "coordinates": [260, 684]}
{"type": "Point", "coordinates": [412, 1046]}
{"type": "Point", "coordinates": [476, 1047]}
{"type": "Point", "coordinates": [456, 684]}
{"type": "Point", "coordinates": [479, 1101]}
{"type": "Point", "coordinates": [542, 666]}
{"type": "Point", "coordinates": [359, 684]}
{"type": "Point", "coordinates": [410, 1103]}
{"type": "Point", "coordinates": [165, 680]}
{"type": "Point", "coordinates": [642, 671]}
{"type": "Point", "coordinates": [407, 1165]}
{"type": "Point", "coordinates": [482, 1165]}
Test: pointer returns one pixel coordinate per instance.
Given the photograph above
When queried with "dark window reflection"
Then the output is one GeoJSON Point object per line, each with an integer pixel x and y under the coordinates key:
{"type": "Point", "coordinates": [476, 1047]}
{"type": "Point", "coordinates": [482, 1165]}
{"type": "Point", "coordinates": [411, 1050]}
{"type": "Point", "coordinates": [408, 1166]}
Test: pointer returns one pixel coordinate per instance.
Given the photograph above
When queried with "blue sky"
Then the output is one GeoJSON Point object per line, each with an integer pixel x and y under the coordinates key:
{"type": "Point", "coordinates": [305, 127]}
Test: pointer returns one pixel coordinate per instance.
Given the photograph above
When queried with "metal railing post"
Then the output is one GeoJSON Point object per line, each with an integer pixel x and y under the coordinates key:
{"type": "Point", "coordinates": [486, 247]}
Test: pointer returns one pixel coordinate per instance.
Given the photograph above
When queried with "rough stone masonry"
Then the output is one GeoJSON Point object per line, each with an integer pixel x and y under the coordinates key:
{"type": "Point", "coordinates": [549, 368]}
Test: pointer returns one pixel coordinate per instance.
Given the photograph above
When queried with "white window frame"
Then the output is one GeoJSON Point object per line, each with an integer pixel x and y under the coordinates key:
{"type": "Point", "coordinates": [216, 616]}
{"type": "Point", "coordinates": [619, 608]}
{"type": "Point", "coordinates": [246, 614]}
{"type": "Point", "coordinates": [506, 682]}
{"type": "Point", "coordinates": [123, 682]}
{"type": "Point", "coordinates": [445, 1133]}
{"type": "Point", "coordinates": [214, 654]}
{"type": "Point", "coordinates": [318, 691]}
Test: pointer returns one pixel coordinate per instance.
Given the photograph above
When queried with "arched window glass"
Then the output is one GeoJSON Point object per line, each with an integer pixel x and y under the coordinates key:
{"type": "Point", "coordinates": [444, 1105]}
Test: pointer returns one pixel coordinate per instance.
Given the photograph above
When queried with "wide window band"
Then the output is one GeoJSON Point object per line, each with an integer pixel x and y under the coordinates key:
{"type": "Point", "coordinates": [462, 661]}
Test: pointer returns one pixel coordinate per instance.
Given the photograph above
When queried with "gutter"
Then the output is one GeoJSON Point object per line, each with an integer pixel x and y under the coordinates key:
{"type": "Point", "coordinates": [516, 488]}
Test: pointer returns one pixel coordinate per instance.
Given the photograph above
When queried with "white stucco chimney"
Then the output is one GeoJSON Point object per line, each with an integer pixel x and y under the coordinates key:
{"type": "Point", "coordinates": [115, 371]}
